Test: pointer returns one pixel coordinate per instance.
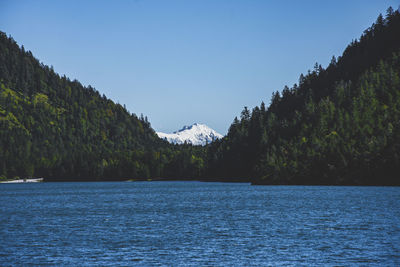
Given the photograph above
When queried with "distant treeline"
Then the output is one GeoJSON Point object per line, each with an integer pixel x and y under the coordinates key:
{"type": "Point", "coordinates": [339, 125]}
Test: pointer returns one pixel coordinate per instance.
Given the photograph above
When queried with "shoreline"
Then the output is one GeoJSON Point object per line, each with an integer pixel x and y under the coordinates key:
{"type": "Point", "coordinates": [32, 180]}
{"type": "Point", "coordinates": [39, 180]}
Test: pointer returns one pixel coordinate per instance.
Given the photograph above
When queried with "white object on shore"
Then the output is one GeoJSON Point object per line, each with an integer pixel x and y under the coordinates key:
{"type": "Point", "coordinates": [33, 180]}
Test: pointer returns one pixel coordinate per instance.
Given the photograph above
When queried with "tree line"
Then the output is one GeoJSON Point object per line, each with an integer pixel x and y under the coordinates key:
{"type": "Point", "coordinates": [56, 128]}
{"type": "Point", "coordinates": [339, 125]}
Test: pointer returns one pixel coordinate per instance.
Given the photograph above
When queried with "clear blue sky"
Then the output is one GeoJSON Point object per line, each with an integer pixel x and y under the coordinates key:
{"type": "Point", "coordinates": [180, 62]}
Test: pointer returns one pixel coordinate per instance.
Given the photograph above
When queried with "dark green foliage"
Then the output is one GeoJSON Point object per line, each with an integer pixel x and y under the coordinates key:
{"type": "Point", "coordinates": [56, 128]}
{"type": "Point", "coordinates": [340, 125]}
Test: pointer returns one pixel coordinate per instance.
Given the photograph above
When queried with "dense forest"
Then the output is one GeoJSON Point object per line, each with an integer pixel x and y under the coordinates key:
{"type": "Point", "coordinates": [338, 125]}
{"type": "Point", "coordinates": [56, 128]}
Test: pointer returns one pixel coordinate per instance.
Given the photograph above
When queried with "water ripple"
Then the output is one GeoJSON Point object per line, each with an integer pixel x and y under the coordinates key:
{"type": "Point", "coordinates": [192, 223]}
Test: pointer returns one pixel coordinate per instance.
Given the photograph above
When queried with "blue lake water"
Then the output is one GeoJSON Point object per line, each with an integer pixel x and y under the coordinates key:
{"type": "Point", "coordinates": [195, 223]}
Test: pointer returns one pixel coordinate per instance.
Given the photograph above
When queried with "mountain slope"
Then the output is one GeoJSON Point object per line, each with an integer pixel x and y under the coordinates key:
{"type": "Point", "coordinates": [56, 128]}
{"type": "Point", "coordinates": [195, 134]}
{"type": "Point", "coordinates": [339, 125]}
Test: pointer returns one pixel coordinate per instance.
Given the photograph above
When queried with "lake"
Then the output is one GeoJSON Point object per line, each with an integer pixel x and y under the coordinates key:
{"type": "Point", "coordinates": [196, 223]}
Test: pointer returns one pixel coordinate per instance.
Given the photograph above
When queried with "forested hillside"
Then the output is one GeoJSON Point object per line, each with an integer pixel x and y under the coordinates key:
{"type": "Point", "coordinates": [339, 125]}
{"type": "Point", "coordinates": [56, 128]}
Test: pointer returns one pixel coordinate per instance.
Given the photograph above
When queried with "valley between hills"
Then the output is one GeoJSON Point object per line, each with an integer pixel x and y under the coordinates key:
{"type": "Point", "coordinates": [339, 125]}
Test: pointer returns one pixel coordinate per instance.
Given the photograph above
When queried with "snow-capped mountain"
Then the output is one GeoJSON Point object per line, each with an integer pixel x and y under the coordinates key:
{"type": "Point", "coordinates": [196, 134]}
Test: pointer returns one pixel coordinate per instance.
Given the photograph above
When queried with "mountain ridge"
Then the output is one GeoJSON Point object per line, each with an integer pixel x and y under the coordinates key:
{"type": "Point", "coordinates": [56, 128]}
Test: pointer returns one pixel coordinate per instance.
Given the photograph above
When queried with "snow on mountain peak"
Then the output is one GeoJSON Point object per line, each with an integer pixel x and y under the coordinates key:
{"type": "Point", "coordinates": [195, 134]}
